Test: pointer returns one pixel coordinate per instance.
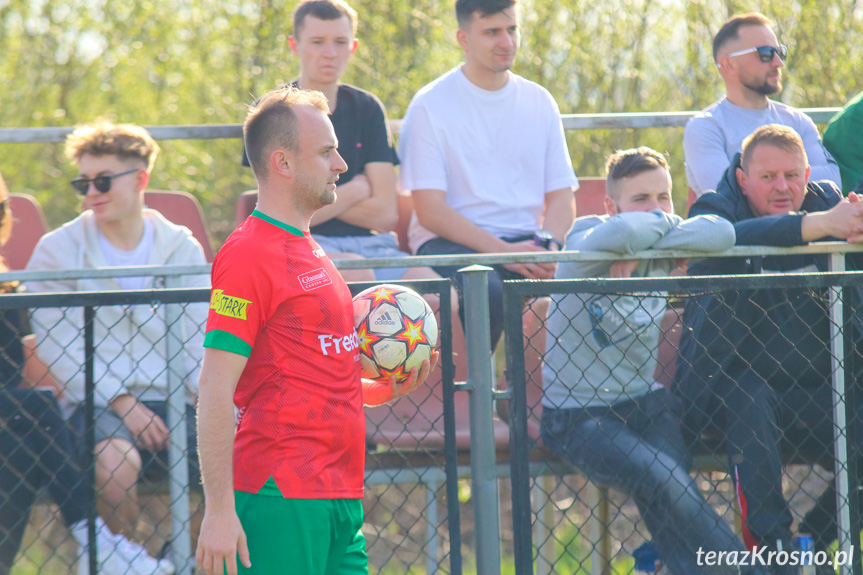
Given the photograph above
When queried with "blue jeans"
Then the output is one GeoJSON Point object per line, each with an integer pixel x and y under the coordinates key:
{"type": "Point", "coordinates": [636, 446]}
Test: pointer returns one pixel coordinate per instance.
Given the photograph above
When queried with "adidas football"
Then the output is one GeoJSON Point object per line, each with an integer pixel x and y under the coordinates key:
{"type": "Point", "coordinates": [396, 330]}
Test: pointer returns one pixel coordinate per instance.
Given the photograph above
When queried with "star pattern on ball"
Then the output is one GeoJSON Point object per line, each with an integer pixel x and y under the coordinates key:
{"type": "Point", "coordinates": [412, 334]}
{"type": "Point", "coordinates": [399, 372]}
{"type": "Point", "coordinates": [366, 340]}
{"type": "Point", "coordinates": [383, 293]}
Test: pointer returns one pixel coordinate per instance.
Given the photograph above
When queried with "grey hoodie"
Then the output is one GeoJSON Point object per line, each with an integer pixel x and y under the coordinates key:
{"type": "Point", "coordinates": [601, 349]}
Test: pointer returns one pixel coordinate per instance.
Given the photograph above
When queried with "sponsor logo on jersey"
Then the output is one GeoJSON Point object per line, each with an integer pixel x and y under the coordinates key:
{"type": "Point", "coordinates": [314, 279]}
{"type": "Point", "coordinates": [334, 344]}
{"type": "Point", "coordinates": [319, 253]}
{"type": "Point", "coordinates": [230, 306]}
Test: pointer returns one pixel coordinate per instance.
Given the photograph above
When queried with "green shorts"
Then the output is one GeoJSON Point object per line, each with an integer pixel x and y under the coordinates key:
{"type": "Point", "coordinates": [312, 536]}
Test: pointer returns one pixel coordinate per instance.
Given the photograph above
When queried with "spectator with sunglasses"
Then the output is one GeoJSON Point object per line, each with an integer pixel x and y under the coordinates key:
{"type": "Point", "coordinates": [115, 229]}
{"type": "Point", "coordinates": [602, 409]}
{"type": "Point", "coordinates": [750, 60]}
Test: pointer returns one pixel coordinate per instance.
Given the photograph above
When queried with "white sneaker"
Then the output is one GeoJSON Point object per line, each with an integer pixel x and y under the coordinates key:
{"type": "Point", "coordinates": [116, 555]}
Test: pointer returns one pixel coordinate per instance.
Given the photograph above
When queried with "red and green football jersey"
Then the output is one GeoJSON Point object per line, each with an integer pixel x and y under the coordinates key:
{"type": "Point", "coordinates": [278, 299]}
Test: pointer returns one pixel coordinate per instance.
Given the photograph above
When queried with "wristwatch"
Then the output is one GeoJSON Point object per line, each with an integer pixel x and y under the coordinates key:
{"type": "Point", "coordinates": [545, 239]}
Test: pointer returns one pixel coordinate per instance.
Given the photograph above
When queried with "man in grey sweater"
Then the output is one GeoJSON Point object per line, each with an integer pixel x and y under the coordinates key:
{"type": "Point", "coordinates": [602, 409]}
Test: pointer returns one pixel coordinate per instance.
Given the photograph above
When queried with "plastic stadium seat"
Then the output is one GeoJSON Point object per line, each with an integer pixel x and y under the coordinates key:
{"type": "Point", "coordinates": [28, 226]}
{"type": "Point", "coordinates": [182, 208]}
{"type": "Point", "coordinates": [246, 205]}
{"type": "Point", "coordinates": [590, 197]}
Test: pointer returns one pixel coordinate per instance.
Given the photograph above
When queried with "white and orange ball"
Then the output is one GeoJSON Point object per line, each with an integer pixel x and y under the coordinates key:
{"type": "Point", "coordinates": [396, 330]}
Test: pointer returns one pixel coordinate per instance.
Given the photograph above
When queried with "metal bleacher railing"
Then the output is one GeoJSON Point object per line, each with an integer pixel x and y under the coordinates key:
{"type": "Point", "coordinates": [228, 131]}
{"type": "Point", "coordinates": [486, 463]}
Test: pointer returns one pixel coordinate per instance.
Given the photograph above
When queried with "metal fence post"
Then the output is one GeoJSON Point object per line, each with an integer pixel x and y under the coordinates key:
{"type": "Point", "coordinates": [178, 472]}
{"type": "Point", "coordinates": [90, 432]}
{"type": "Point", "coordinates": [840, 440]}
{"type": "Point", "coordinates": [484, 490]}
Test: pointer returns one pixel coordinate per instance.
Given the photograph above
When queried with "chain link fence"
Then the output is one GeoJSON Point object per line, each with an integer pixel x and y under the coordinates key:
{"type": "Point", "coordinates": [747, 438]}
{"type": "Point", "coordinates": [92, 347]}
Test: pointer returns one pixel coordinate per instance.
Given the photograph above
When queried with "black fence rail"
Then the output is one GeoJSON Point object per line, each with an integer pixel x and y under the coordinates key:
{"type": "Point", "coordinates": [411, 470]}
{"type": "Point", "coordinates": [730, 351]}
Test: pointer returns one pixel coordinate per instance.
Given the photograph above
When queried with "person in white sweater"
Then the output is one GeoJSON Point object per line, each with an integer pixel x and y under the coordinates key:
{"type": "Point", "coordinates": [131, 365]}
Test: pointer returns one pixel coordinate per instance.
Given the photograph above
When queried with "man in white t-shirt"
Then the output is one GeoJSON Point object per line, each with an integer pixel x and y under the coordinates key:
{"type": "Point", "coordinates": [484, 155]}
{"type": "Point", "coordinates": [750, 61]}
{"type": "Point", "coordinates": [130, 364]}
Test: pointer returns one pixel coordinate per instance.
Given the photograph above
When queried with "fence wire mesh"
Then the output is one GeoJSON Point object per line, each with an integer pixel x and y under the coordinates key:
{"type": "Point", "coordinates": [148, 345]}
{"type": "Point", "coordinates": [668, 416]}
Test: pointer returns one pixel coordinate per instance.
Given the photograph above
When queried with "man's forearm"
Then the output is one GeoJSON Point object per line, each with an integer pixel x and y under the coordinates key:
{"type": "Point", "coordinates": [216, 445]}
{"type": "Point", "coordinates": [451, 225]}
{"type": "Point", "coordinates": [559, 213]}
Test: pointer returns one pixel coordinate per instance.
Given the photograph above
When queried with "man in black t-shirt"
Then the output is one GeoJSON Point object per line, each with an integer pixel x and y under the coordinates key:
{"type": "Point", "coordinates": [360, 223]}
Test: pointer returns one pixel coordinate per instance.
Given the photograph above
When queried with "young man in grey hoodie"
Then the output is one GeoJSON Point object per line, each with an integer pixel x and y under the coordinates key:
{"type": "Point", "coordinates": [602, 410]}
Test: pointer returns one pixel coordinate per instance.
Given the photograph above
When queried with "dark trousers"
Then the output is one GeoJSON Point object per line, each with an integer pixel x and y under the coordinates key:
{"type": "Point", "coordinates": [764, 426]}
{"type": "Point", "coordinates": [35, 451]}
{"type": "Point", "coordinates": [442, 247]}
{"type": "Point", "coordinates": [637, 447]}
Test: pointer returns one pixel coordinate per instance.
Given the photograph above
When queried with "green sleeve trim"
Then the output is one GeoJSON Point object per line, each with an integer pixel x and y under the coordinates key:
{"type": "Point", "coordinates": [226, 341]}
{"type": "Point", "coordinates": [278, 224]}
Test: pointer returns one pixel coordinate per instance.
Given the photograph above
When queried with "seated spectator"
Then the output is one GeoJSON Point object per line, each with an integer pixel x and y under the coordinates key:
{"type": "Point", "coordinates": [485, 157]}
{"type": "Point", "coordinates": [844, 139]}
{"type": "Point", "coordinates": [360, 223]}
{"type": "Point", "coordinates": [750, 61]}
{"type": "Point", "coordinates": [602, 410]}
{"type": "Point", "coordinates": [36, 451]}
{"type": "Point", "coordinates": [115, 162]}
{"type": "Point", "coordinates": [758, 363]}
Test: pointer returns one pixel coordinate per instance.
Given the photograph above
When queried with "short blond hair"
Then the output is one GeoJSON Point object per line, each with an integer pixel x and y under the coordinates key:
{"type": "Point", "coordinates": [102, 138]}
{"type": "Point", "coordinates": [775, 135]}
{"type": "Point", "coordinates": [272, 123]}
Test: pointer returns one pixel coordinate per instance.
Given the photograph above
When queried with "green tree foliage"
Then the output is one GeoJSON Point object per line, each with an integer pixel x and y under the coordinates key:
{"type": "Point", "coordinates": [194, 62]}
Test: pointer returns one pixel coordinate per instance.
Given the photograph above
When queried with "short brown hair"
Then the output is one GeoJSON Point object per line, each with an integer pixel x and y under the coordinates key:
{"type": "Point", "coordinates": [324, 10]}
{"type": "Point", "coordinates": [465, 9]}
{"type": "Point", "coordinates": [102, 138]}
{"type": "Point", "coordinates": [731, 28]}
{"type": "Point", "coordinates": [272, 123]}
{"type": "Point", "coordinates": [628, 163]}
{"type": "Point", "coordinates": [775, 135]}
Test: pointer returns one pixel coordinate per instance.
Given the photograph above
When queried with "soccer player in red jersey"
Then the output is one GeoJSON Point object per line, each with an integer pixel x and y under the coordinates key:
{"type": "Point", "coordinates": [283, 479]}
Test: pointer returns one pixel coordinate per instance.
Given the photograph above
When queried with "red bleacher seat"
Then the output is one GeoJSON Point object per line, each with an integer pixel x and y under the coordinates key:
{"type": "Point", "coordinates": [590, 197]}
{"type": "Point", "coordinates": [28, 225]}
{"type": "Point", "coordinates": [182, 208]}
{"type": "Point", "coordinates": [245, 206]}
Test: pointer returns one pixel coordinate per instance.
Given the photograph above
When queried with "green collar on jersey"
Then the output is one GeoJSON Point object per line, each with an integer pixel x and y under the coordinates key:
{"type": "Point", "coordinates": [278, 224]}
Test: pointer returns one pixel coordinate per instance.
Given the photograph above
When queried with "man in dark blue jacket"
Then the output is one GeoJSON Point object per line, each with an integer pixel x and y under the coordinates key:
{"type": "Point", "coordinates": [757, 363]}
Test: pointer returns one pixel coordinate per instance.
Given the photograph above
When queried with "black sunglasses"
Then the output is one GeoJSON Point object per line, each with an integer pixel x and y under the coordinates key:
{"type": "Point", "coordinates": [101, 183]}
{"type": "Point", "coordinates": [765, 53]}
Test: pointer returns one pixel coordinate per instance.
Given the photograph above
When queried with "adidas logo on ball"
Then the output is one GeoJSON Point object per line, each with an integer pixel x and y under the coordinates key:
{"type": "Point", "coordinates": [385, 319]}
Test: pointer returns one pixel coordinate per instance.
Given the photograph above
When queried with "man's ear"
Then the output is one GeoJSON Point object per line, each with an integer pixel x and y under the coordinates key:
{"type": "Point", "coordinates": [143, 179]}
{"type": "Point", "coordinates": [281, 163]}
{"type": "Point", "coordinates": [808, 171]}
{"type": "Point", "coordinates": [461, 38]}
{"type": "Point", "coordinates": [292, 42]}
{"type": "Point", "coordinates": [354, 45]}
{"type": "Point", "coordinates": [741, 179]}
{"type": "Point", "coordinates": [610, 206]}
